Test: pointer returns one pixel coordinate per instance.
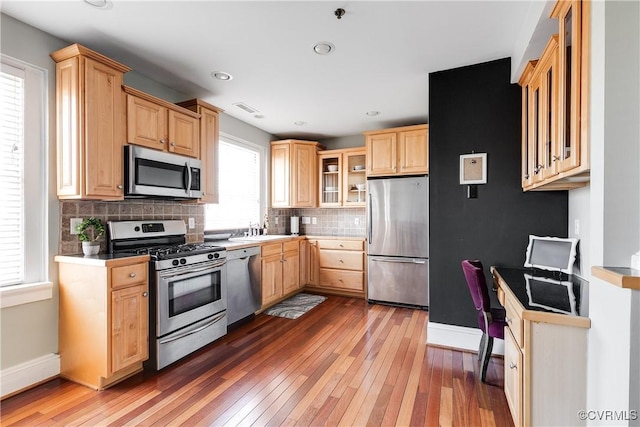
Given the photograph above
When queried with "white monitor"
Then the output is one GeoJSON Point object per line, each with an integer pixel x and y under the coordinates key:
{"type": "Point", "coordinates": [550, 294]}
{"type": "Point", "coordinates": [551, 253]}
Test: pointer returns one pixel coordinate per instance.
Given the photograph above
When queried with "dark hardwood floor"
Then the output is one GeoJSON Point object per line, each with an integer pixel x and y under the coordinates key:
{"type": "Point", "coordinates": [343, 363]}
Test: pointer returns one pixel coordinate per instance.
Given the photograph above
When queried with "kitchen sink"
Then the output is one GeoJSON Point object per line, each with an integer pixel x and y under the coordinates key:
{"type": "Point", "coordinates": [258, 238]}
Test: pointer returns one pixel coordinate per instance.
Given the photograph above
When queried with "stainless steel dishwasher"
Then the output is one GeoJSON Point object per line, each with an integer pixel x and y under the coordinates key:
{"type": "Point", "coordinates": [244, 296]}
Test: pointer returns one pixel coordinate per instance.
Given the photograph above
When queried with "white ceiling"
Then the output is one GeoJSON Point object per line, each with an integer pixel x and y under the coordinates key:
{"type": "Point", "coordinates": [384, 52]}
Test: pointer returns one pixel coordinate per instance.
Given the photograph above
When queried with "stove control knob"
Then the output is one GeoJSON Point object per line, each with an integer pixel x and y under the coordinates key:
{"type": "Point", "coordinates": [175, 262]}
{"type": "Point", "coordinates": [183, 261]}
{"type": "Point", "coordinates": [136, 228]}
{"type": "Point", "coordinates": [216, 255]}
{"type": "Point", "coordinates": [210, 256]}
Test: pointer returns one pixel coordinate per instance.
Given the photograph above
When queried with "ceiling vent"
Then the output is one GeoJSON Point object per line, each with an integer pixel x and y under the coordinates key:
{"type": "Point", "coordinates": [245, 107]}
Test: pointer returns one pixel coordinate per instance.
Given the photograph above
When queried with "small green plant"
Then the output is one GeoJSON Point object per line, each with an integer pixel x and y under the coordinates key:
{"type": "Point", "coordinates": [87, 225]}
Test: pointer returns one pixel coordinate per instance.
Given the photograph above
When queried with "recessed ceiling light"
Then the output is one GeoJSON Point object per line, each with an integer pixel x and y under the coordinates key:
{"type": "Point", "coordinates": [373, 113]}
{"type": "Point", "coordinates": [221, 75]}
{"type": "Point", "coordinates": [323, 48]}
{"type": "Point", "coordinates": [102, 4]}
{"type": "Point", "coordinates": [299, 123]}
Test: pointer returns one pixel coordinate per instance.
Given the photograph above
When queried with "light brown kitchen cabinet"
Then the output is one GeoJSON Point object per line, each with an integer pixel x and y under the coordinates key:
{"type": "Point", "coordinates": [293, 174]}
{"type": "Point", "coordinates": [89, 125]}
{"type": "Point", "coordinates": [342, 178]}
{"type": "Point", "coordinates": [340, 264]}
{"type": "Point", "coordinates": [398, 151]}
{"type": "Point", "coordinates": [309, 265]}
{"type": "Point", "coordinates": [158, 124]}
{"type": "Point", "coordinates": [555, 90]}
{"type": "Point", "coordinates": [545, 356]}
{"type": "Point", "coordinates": [103, 324]}
{"type": "Point", "coordinates": [209, 141]}
{"type": "Point", "coordinates": [280, 264]}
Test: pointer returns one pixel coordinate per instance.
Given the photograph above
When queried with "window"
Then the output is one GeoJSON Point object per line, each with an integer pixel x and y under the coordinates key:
{"type": "Point", "coordinates": [23, 172]}
{"type": "Point", "coordinates": [240, 192]}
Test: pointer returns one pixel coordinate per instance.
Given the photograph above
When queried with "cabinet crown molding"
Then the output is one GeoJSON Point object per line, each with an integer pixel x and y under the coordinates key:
{"type": "Point", "coordinates": [77, 49]}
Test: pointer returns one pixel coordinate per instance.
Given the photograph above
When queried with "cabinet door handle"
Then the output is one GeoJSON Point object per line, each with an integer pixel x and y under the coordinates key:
{"type": "Point", "coordinates": [132, 275]}
{"type": "Point", "coordinates": [555, 158]}
{"type": "Point", "coordinates": [145, 294]}
{"type": "Point", "coordinates": [120, 186]}
{"type": "Point", "coordinates": [508, 320]}
{"type": "Point", "coordinates": [163, 140]}
{"type": "Point", "coordinates": [173, 144]}
{"type": "Point", "coordinates": [513, 365]}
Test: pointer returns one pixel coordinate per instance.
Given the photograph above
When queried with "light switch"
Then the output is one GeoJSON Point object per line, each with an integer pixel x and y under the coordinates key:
{"type": "Point", "coordinates": [73, 225]}
{"type": "Point", "coordinates": [192, 223]}
{"type": "Point", "coordinates": [314, 220]}
{"type": "Point", "coordinates": [306, 220]}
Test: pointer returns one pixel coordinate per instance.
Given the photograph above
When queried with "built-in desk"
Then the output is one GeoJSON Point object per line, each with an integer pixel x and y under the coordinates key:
{"type": "Point", "coordinates": [545, 344]}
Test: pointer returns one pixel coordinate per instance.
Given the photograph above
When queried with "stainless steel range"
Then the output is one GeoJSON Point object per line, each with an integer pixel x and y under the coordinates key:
{"type": "Point", "coordinates": [187, 285]}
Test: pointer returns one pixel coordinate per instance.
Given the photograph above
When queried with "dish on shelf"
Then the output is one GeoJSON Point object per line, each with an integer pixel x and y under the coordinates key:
{"type": "Point", "coordinates": [330, 188]}
{"type": "Point", "coordinates": [361, 186]}
{"type": "Point", "coordinates": [358, 168]}
{"type": "Point", "coordinates": [332, 168]}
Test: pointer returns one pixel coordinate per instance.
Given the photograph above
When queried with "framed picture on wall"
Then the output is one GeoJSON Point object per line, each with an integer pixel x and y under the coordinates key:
{"type": "Point", "coordinates": [473, 168]}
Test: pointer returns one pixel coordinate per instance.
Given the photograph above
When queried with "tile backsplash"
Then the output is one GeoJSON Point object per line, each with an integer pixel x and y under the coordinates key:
{"type": "Point", "coordinates": [126, 210]}
{"type": "Point", "coordinates": [347, 222]}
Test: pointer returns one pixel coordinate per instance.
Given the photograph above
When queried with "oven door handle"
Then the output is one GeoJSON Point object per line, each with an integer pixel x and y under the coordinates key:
{"type": "Point", "coordinates": [190, 271]}
{"type": "Point", "coordinates": [216, 319]}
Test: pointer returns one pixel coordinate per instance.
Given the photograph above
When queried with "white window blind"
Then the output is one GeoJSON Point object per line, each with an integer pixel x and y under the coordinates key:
{"type": "Point", "coordinates": [239, 192]}
{"type": "Point", "coordinates": [11, 174]}
{"type": "Point", "coordinates": [24, 244]}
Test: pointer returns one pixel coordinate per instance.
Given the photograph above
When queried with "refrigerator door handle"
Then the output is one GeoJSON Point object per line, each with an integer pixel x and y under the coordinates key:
{"type": "Point", "coordinates": [400, 260]}
{"type": "Point", "coordinates": [370, 218]}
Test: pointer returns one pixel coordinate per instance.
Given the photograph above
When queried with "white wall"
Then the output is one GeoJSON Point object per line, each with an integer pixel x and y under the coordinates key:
{"type": "Point", "coordinates": [614, 229]}
{"type": "Point", "coordinates": [30, 331]}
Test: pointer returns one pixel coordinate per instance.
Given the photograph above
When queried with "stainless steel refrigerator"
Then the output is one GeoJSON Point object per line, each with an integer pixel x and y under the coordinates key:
{"type": "Point", "coordinates": [398, 241]}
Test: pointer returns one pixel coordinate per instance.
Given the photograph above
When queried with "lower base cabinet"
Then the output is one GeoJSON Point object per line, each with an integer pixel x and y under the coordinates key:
{"type": "Point", "coordinates": [104, 312]}
{"type": "Point", "coordinates": [280, 271]}
{"type": "Point", "coordinates": [336, 266]}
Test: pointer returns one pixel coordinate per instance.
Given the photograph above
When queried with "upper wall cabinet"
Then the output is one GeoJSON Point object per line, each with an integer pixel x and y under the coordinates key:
{"type": "Point", "coordinates": [90, 130]}
{"type": "Point", "coordinates": [398, 151]}
{"type": "Point", "coordinates": [555, 91]}
{"type": "Point", "coordinates": [209, 139]}
{"type": "Point", "coordinates": [161, 125]}
{"type": "Point", "coordinates": [342, 180]}
{"type": "Point", "coordinates": [293, 174]}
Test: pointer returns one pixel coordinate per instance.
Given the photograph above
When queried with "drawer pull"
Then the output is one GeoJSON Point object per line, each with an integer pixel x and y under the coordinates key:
{"type": "Point", "coordinates": [341, 261]}
{"type": "Point", "coordinates": [132, 275]}
{"type": "Point", "coordinates": [513, 365]}
{"type": "Point", "coordinates": [145, 294]}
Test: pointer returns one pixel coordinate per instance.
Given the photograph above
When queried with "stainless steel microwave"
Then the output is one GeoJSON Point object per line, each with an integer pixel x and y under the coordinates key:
{"type": "Point", "coordinates": [153, 173]}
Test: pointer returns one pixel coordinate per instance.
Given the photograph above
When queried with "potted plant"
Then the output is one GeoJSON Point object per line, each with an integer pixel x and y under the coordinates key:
{"type": "Point", "coordinates": [89, 231]}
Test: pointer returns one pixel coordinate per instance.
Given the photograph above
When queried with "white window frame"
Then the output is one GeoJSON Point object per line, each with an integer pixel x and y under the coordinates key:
{"type": "Point", "coordinates": [262, 173]}
{"type": "Point", "coordinates": [36, 285]}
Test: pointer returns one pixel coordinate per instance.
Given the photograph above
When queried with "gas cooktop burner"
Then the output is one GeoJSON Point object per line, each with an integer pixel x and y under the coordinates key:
{"type": "Point", "coordinates": [176, 251]}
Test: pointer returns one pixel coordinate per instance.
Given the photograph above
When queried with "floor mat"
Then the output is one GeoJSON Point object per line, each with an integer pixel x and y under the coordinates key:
{"type": "Point", "coordinates": [295, 306]}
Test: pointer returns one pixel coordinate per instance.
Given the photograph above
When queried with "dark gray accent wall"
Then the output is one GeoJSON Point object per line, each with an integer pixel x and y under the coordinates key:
{"type": "Point", "coordinates": [475, 108]}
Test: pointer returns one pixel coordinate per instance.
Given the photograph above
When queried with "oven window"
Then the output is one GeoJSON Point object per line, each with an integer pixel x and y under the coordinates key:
{"type": "Point", "coordinates": [188, 294]}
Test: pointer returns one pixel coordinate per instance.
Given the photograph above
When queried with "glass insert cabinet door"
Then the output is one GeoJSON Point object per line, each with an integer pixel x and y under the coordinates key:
{"type": "Point", "coordinates": [355, 180]}
{"type": "Point", "coordinates": [330, 166]}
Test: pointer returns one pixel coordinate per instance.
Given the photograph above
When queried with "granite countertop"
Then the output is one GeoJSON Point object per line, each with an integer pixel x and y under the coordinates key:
{"type": "Point", "coordinates": [546, 291]}
{"type": "Point", "coordinates": [102, 260]}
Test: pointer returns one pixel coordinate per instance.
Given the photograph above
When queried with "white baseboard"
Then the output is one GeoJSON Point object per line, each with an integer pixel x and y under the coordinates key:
{"type": "Point", "coordinates": [459, 337]}
{"type": "Point", "coordinates": [29, 373]}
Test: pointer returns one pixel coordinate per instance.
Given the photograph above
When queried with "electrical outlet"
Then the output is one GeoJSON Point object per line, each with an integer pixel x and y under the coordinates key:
{"type": "Point", "coordinates": [356, 221]}
{"type": "Point", "coordinates": [306, 220]}
{"type": "Point", "coordinates": [314, 220]}
{"type": "Point", "coordinates": [73, 225]}
{"type": "Point", "coordinates": [192, 223]}
{"type": "Point", "coordinates": [276, 220]}
{"type": "Point", "coordinates": [576, 227]}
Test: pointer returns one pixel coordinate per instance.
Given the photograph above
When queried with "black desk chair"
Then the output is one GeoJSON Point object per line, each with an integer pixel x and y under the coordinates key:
{"type": "Point", "coordinates": [490, 320]}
